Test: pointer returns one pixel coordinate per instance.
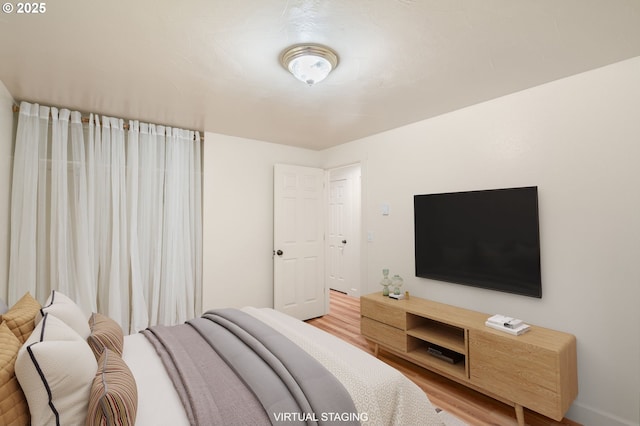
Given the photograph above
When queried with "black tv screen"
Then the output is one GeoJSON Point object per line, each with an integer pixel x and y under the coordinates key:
{"type": "Point", "coordinates": [488, 239]}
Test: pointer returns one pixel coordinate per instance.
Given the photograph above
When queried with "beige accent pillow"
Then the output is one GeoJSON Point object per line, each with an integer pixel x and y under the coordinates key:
{"type": "Point", "coordinates": [105, 333]}
{"type": "Point", "coordinates": [55, 368]}
{"type": "Point", "coordinates": [64, 308]}
{"type": "Point", "coordinates": [20, 318]}
{"type": "Point", "coordinates": [114, 394]}
{"type": "Point", "coordinates": [13, 405]}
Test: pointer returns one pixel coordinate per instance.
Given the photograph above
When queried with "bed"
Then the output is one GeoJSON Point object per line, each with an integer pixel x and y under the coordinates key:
{"type": "Point", "coordinates": [230, 366]}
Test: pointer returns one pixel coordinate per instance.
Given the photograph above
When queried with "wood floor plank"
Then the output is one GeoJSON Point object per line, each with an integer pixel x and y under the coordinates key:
{"type": "Point", "coordinates": [470, 406]}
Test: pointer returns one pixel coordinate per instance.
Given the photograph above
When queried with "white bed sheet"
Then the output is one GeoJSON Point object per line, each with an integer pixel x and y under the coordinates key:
{"type": "Point", "coordinates": [158, 400]}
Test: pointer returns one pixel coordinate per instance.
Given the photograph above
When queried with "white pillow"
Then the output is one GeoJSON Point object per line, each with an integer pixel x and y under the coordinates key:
{"type": "Point", "coordinates": [55, 368]}
{"type": "Point", "coordinates": [64, 308]}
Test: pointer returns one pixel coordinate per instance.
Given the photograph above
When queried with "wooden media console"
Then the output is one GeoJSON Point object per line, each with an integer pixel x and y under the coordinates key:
{"type": "Point", "coordinates": [536, 370]}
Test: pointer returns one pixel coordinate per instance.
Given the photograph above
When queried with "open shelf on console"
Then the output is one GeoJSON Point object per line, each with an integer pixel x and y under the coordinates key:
{"type": "Point", "coordinates": [441, 334]}
{"type": "Point", "coordinates": [423, 333]}
{"type": "Point", "coordinates": [421, 356]}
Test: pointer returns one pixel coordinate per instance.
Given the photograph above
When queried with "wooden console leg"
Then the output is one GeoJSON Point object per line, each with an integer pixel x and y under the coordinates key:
{"type": "Point", "coordinates": [376, 348]}
{"type": "Point", "coordinates": [520, 414]}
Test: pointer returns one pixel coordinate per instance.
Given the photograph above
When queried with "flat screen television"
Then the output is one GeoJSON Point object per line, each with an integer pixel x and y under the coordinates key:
{"type": "Point", "coordinates": [488, 239]}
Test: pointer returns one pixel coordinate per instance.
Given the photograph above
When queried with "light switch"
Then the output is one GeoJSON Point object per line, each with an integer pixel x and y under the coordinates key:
{"type": "Point", "coordinates": [385, 209]}
{"type": "Point", "coordinates": [370, 236]}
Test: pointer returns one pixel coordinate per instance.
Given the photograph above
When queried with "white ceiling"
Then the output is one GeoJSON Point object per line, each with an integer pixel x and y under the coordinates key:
{"type": "Point", "coordinates": [213, 65]}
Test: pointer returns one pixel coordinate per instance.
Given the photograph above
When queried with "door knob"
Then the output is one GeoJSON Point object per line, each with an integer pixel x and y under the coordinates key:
{"type": "Point", "coordinates": [344, 241]}
{"type": "Point", "coordinates": [279, 253]}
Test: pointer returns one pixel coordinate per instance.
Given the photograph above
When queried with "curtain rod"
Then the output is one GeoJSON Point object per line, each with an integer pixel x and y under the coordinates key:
{"type": "Point", "coordinates": [84, 119]}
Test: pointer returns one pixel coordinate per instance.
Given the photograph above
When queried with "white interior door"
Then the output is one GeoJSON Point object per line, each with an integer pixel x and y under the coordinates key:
{"type": "Point", "coordinates": [298, 261]}
{"type": "Point", "coordinates": [343, 230]}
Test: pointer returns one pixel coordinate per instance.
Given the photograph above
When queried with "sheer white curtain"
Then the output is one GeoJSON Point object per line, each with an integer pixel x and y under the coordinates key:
{"type": "Point", "coordinates": [110, 217]}
{"type": "Point", "coordinates": [68, 233]}
{"type": "Point", "coordinates": [26, 245]}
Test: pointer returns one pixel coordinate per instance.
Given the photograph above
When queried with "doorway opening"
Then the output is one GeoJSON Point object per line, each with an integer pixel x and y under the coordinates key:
{"type": "Point", "coordinates": [343, 230]}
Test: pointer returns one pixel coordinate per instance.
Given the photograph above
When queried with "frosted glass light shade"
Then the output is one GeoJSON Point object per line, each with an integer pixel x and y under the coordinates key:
{"type": "Point", "coordinates": [309, 63]}
{"type": "Point", "coordinates": [310, 69]}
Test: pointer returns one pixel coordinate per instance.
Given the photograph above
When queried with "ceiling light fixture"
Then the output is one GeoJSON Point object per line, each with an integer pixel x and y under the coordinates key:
{"type": "Point", "coordinates": [309, 63]}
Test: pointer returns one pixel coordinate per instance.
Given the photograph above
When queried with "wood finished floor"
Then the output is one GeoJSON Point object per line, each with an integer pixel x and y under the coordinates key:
{"type": "Point", "coordinates": [470, 406]}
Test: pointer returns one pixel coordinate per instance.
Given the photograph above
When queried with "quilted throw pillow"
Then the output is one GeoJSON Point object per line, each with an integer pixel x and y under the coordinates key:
{"type": "Point", "coordinates": [114, 394]}
{"type": "Point", "coordinates": [105, 333]}
{"type": "Point", "coordinates": [55, 368]}
{"type": "Point", "coordinates": [20, 318]}
{"type": "Point", "coordinates": [13, 405]}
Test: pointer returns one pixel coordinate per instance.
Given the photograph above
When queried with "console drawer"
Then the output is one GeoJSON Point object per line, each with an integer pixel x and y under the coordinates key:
{"type": "Point", "coordinates": [391, 337]}
{"type": "Point", "coordinates": [395, 317]}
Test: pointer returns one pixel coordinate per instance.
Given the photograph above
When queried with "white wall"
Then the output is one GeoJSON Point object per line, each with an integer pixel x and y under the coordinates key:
{"type": "Point", "coordinates": [578, 140]}
{"type": "Point", "coordinates": [238, 218]}
{"type": "Point", "coordinates": [6, 160]}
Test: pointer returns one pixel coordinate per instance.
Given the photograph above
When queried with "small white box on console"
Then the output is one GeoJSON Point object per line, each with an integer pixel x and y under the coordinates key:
{"type": "Point", "coordinates": [507, 324]}
{"type": "Point", "coordinates": [396, 296]}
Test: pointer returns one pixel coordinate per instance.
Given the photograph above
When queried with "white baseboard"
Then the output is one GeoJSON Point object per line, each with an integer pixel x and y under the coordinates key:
{"type": "Point", "coordinates": [590, 416]}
